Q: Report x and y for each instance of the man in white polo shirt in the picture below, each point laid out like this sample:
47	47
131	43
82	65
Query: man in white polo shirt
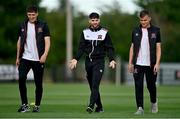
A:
144	58
32	50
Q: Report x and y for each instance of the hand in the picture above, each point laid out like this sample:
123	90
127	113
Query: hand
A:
72	64
43	59
112	64
17	62
131	68
156	68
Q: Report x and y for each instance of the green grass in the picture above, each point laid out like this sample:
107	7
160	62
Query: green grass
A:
70	101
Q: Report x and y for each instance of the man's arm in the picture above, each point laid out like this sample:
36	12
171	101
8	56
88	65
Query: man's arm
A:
81	47
130	65
46	51
158	57
110	51
80	51
18	51
109	47
158	53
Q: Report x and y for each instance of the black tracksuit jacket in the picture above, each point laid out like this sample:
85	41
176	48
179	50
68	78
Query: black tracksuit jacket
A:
95	43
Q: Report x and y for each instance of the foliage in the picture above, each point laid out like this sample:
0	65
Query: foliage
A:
57	25
164	14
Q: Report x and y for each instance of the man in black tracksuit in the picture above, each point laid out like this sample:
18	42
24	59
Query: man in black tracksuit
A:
144	58
95	42
32	50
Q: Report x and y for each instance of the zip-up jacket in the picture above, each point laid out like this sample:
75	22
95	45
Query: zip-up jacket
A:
154	37
95	43
41	30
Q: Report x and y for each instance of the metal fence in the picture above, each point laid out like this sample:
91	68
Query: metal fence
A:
169	74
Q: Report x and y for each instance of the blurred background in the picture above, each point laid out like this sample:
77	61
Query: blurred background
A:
67	19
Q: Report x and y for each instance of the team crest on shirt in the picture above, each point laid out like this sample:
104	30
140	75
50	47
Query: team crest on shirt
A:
22	30
153	35
40	30
99	37
136	34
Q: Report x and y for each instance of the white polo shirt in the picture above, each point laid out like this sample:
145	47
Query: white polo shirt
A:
143	58
30	48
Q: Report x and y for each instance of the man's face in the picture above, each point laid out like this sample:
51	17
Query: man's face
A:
32	16
94	22
145	21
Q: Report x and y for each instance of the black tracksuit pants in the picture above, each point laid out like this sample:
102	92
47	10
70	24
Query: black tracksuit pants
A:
38	69
139	72
94	69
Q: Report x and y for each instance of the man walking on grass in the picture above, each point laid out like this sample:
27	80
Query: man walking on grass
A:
144	58
95	42
32	50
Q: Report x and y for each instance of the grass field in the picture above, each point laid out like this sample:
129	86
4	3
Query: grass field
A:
70	101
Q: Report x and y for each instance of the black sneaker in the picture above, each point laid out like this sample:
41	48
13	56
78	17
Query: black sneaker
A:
99	110
24	108
36	108
89	109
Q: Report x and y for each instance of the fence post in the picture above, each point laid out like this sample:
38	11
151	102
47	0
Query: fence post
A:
118	71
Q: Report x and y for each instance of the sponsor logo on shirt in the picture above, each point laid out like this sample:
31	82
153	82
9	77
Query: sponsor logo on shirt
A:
99	37
153	35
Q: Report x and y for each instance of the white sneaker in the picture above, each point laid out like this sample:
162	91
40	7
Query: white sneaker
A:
140	111
154	107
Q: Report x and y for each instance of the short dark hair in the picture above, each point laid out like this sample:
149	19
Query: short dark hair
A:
144	13
94	15
32	8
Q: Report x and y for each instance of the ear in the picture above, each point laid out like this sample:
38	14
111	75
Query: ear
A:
149	18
